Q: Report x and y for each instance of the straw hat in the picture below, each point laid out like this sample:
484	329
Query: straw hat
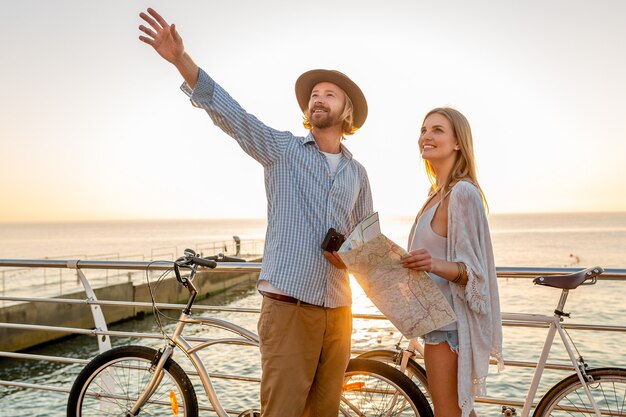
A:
308	80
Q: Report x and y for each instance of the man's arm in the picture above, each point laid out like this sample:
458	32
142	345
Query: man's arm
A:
167	42
258	140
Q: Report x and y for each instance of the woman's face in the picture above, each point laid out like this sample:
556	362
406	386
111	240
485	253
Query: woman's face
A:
437	141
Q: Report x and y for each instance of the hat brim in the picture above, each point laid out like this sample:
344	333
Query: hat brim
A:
308	80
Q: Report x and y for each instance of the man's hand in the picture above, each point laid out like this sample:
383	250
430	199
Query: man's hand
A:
167	42
162	37
334	259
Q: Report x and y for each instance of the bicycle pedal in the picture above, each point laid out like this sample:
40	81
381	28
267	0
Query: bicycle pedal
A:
250	413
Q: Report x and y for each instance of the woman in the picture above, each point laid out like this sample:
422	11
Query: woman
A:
450	240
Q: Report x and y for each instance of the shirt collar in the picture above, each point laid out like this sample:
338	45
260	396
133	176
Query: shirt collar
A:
310	139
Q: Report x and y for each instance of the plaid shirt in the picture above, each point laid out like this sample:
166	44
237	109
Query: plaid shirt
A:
303	199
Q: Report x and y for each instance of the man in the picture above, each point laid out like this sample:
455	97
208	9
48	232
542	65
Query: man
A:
312	184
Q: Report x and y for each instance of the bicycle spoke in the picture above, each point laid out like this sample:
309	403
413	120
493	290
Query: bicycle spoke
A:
375	398
114	386
568	397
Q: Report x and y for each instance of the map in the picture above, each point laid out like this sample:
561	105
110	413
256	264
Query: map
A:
408	298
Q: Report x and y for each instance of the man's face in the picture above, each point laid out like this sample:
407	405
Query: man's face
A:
326	105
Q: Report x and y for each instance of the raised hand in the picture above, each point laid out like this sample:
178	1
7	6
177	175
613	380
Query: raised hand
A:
162	37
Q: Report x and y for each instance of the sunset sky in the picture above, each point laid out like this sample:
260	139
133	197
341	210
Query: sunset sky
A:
93	125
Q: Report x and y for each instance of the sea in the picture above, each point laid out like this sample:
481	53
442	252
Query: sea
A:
553	239
573	240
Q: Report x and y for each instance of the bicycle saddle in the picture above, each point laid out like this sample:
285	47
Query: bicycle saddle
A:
570	281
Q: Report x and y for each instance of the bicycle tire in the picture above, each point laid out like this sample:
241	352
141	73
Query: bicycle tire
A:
414	370
112	381
373	388
568	398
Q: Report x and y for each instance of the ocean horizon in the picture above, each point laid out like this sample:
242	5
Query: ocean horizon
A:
519	239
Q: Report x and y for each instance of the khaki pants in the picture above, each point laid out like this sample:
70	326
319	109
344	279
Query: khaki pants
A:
304	354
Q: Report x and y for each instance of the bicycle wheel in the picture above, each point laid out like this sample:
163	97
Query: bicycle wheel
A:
414	370
372	388
111	383
568	397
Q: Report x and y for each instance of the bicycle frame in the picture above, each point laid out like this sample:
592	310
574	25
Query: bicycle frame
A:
150	368
554	323
554	326
248	338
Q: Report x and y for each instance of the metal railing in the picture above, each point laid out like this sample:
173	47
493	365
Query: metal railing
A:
59	280
103	334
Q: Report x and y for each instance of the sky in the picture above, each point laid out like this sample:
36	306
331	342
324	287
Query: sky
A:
93	125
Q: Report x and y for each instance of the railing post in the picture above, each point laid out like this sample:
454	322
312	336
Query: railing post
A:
104	341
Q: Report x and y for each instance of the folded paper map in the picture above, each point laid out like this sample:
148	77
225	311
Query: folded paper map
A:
408	298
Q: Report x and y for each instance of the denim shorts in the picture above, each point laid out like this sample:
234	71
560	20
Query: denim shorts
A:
439	336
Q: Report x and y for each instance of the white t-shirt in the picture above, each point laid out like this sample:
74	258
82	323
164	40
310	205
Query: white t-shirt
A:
333	161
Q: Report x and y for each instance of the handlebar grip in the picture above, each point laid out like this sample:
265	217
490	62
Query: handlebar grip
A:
233	259
203	262
224	258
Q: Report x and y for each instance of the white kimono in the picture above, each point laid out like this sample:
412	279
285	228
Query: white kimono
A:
476	304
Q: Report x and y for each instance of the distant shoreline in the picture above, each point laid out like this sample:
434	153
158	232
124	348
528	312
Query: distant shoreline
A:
263	219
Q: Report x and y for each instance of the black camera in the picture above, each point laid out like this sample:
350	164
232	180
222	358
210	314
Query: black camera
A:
333	240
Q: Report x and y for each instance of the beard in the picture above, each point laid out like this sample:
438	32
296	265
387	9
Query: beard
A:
323	120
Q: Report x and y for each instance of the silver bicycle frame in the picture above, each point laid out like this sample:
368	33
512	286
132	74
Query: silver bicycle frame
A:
248	338
555	325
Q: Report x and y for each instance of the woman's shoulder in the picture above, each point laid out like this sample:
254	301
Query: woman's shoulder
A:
466	192
465	186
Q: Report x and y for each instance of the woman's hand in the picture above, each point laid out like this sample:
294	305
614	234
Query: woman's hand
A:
422	260
419	260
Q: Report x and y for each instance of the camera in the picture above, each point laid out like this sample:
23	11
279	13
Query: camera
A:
333	240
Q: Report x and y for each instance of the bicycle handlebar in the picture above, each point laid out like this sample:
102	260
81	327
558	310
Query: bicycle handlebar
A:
190	260
220	257
203	262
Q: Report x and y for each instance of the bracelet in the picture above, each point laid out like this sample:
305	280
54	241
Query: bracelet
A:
462	272
458	273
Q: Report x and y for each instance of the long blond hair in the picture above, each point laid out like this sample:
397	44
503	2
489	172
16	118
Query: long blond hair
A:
464	167
347	118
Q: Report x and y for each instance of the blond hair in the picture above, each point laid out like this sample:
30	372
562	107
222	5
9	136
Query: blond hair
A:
464	167
347	118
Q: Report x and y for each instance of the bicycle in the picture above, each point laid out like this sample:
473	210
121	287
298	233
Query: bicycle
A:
600	391
138	380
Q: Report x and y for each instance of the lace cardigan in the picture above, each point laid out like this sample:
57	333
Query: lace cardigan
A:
476	304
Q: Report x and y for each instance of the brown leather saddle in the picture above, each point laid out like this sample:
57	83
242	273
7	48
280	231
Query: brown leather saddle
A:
570	281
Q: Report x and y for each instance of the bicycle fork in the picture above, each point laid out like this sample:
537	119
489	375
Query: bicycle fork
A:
157	367
405	354
157	376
